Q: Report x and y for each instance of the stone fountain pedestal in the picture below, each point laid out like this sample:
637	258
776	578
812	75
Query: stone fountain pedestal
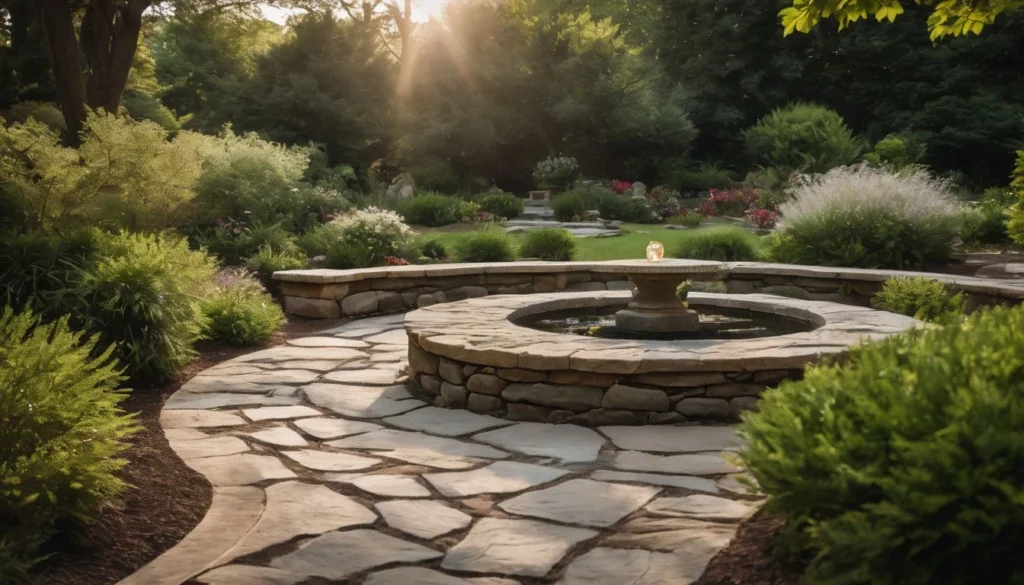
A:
656	308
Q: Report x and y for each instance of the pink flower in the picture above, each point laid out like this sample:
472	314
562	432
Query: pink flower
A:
620	187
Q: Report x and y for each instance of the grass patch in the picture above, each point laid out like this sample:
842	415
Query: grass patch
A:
632	245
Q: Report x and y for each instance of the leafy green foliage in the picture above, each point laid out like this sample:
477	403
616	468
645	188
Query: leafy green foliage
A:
436	210
142	297
903	465
802	137
589	196
61	434
240	312
434	250
269	260
144	106
124	174
984	224
724	244
489	245
232	244
921	298
893	152
38	272
548	244
1015	226
504	205
359	239
700	178
949	17
691	219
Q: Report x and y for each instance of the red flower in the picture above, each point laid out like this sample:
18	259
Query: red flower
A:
620	187
396	261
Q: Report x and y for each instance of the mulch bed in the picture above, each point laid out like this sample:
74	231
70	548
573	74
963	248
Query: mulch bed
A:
748	560
167	499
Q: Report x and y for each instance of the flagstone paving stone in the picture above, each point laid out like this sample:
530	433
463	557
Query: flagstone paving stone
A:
336	555
446	422
501	477
581	501
423	518
566	442
513	547
349	477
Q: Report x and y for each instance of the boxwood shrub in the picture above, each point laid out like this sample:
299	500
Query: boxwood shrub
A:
488	245
504	205
240	312
724	244
905	464
921	298
436	210
548	244
61	432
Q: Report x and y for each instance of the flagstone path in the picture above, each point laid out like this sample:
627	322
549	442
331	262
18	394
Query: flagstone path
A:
327	469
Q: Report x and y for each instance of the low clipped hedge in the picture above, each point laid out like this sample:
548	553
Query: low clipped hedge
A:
61	434
240	312
548	244
723	244
904	464
503	205
435	210
921	298
489	245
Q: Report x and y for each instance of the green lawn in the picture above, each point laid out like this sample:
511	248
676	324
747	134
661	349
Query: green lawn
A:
631	245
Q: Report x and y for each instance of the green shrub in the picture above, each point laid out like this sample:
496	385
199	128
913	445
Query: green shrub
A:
61	434
574	204
589	196
867	218
434	250
701	178
240	312
625	208
984	225
359	239
724	244
436	210
803	137
1015	225
904	465
556	172
894	153
268	261
45	112
144	106
142	296
691	219
38	272
503	205
548	244
488	245
921	298
232	244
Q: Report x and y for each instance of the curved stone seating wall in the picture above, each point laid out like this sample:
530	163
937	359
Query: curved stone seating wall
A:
330	294
473	355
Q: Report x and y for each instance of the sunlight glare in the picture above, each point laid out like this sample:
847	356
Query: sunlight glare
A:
424	10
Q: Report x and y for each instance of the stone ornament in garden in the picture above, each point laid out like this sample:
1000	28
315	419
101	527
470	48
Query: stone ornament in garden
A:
403	187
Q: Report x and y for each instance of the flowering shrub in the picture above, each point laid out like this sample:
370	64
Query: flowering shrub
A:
359	239
620	187
664	201
556	172
867	218
732	202
762	218
240	312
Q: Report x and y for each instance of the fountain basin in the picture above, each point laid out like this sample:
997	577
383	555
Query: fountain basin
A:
474	354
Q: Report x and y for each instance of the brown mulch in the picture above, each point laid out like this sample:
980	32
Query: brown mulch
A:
167	499
748	559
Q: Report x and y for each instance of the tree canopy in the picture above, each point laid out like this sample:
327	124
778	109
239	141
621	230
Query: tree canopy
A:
947	18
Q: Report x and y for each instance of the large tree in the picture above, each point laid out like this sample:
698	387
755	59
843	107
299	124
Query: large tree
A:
947	17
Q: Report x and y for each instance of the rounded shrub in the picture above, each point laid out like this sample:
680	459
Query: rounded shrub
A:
548	244
268	261
61	434
921	298
434	250
903	464
575	203
867	218
489	245
504	205
984	225
723	244
435	210
240	312
359	239
803	137
142	296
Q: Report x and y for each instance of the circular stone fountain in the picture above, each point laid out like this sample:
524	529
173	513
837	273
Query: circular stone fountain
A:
487	355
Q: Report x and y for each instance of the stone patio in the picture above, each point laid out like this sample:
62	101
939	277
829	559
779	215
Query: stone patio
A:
325	467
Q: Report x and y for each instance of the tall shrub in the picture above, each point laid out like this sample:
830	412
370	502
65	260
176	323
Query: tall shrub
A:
802	137
868	218
905	465
61	432
142	297
1015	226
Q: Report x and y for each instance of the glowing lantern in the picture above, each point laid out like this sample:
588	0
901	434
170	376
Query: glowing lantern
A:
655	252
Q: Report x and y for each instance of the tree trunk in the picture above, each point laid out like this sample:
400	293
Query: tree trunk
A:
109	36
59	27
